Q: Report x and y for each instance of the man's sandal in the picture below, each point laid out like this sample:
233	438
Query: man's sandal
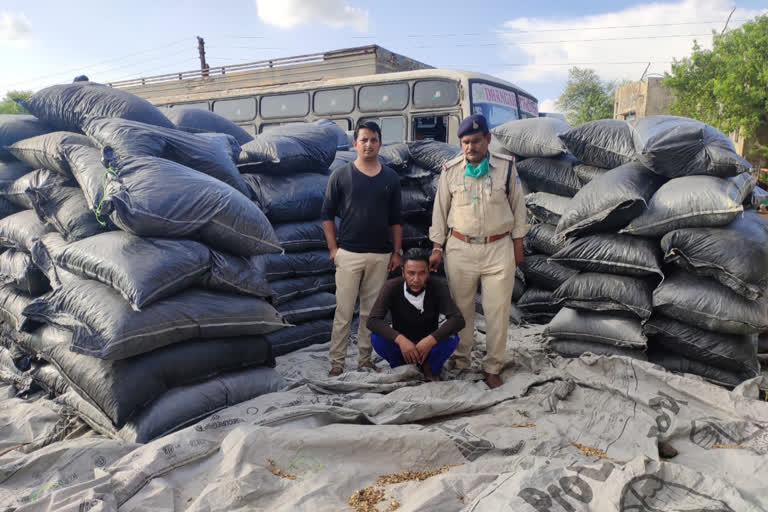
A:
336	371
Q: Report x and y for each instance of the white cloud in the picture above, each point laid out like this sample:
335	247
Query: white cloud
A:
334	13
653	44
14	28
548	105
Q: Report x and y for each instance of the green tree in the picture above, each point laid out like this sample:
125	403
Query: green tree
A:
586	97
727	86
8	104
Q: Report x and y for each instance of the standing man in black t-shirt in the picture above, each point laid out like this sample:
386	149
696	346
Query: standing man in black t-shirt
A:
366	196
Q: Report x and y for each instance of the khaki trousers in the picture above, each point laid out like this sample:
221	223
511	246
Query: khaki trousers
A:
493	265
357	274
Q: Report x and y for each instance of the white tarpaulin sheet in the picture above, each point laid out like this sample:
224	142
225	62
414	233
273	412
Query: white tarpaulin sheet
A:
560	435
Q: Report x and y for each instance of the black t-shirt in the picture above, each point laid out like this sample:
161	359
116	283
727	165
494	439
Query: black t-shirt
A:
367	206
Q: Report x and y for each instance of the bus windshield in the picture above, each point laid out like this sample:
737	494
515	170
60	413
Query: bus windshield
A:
496	104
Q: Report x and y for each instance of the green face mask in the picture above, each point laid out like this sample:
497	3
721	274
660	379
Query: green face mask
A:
476	171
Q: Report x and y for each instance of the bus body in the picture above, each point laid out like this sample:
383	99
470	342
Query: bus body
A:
418	104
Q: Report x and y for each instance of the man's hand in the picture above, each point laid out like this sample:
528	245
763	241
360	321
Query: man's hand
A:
408	349
332	254
434	260
424	346
395	262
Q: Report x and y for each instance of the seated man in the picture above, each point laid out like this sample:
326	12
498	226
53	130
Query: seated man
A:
415	303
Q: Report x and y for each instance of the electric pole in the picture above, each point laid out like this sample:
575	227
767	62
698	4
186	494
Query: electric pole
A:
201	51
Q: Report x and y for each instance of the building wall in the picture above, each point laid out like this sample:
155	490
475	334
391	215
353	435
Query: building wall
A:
641	99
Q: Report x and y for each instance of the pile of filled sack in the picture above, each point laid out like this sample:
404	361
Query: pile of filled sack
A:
644	242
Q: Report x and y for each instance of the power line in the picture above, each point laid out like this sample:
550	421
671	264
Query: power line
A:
100	63
580	29
558	41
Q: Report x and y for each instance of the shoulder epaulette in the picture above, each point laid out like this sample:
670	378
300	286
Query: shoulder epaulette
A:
453	161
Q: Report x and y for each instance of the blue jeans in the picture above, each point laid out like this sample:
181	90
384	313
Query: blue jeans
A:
436	358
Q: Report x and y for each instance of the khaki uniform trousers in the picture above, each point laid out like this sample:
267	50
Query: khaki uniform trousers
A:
493	265
357	274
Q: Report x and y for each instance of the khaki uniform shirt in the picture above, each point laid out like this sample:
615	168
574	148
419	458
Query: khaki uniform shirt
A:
478	206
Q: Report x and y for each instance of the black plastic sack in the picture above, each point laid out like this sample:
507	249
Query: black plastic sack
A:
606	292
587	173
541	240
570	348
736	255
552	175
679	146
680	364
16	191
105	326
211	154
548	208
235	274
305	309
414	202
89	172
66	210
142	270
18	270
431	154
343	142
729	352
693	202
301	236
48	151
612	254
610	202
12	305
429	185
707	304
15	127
536	302
288	198
415	235
341	159
303	335
756	198
181	407
48	378
606	143
762	344
540	273
289	149
285	290
597	327
197	120
21	230
536	137
295	264
65	107
11	171
159	198
395	156
120	389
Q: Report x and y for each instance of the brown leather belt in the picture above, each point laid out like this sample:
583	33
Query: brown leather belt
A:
478	239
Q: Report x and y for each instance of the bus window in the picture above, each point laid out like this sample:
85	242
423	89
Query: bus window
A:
334	101
285	105
242	109
344	124
201	106
496	104
430	128
383	97
392	128
435	94
248	128
528	106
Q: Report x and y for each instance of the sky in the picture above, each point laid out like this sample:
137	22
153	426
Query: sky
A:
532	44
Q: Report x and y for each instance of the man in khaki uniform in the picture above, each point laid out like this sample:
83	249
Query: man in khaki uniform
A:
478	222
